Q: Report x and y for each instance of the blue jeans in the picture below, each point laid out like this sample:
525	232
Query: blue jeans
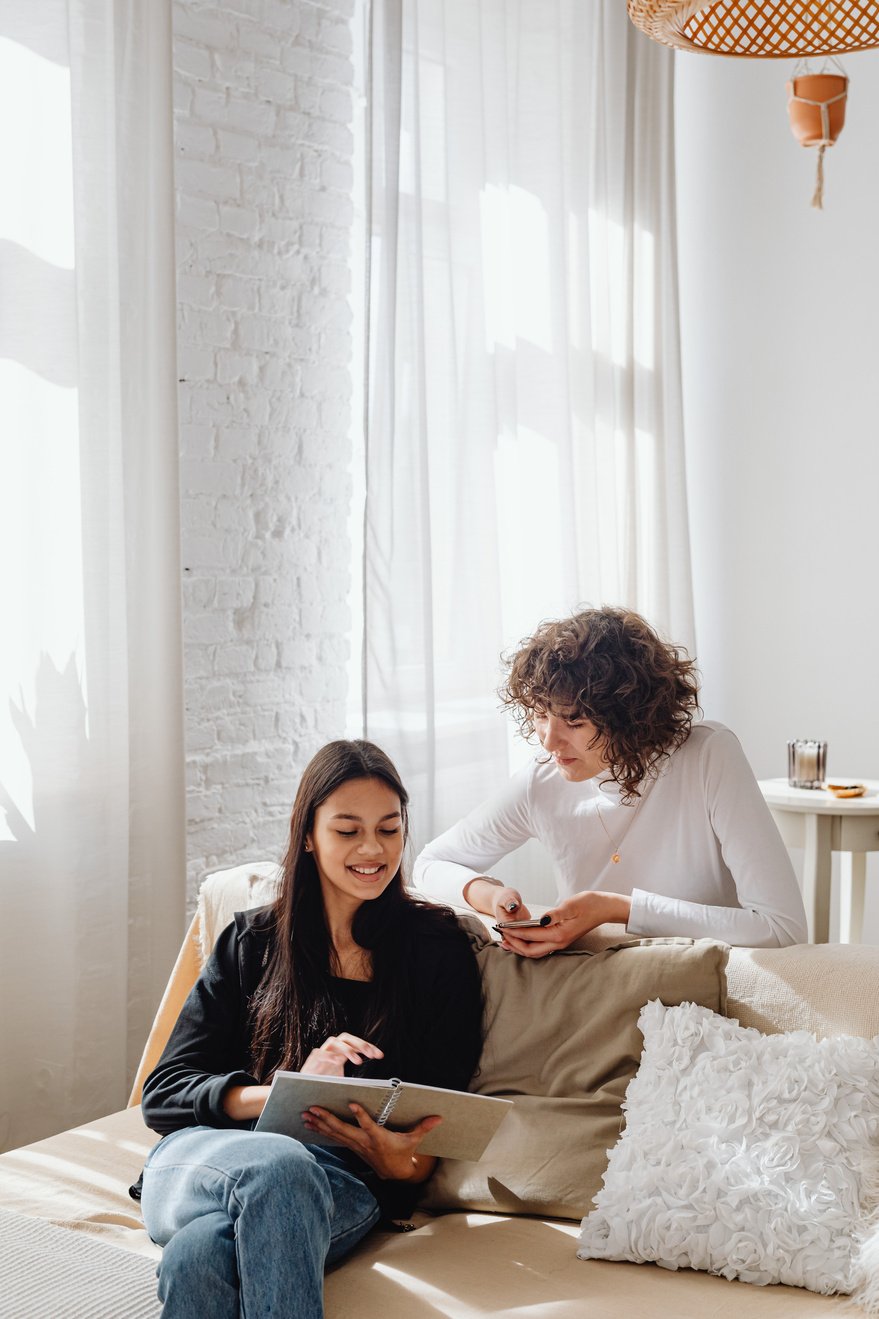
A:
248	1220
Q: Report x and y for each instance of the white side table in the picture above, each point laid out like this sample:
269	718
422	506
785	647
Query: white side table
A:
814	819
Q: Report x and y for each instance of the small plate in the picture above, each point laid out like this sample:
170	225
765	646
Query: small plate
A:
846	789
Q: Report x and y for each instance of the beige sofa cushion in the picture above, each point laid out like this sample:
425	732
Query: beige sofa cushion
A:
563	1044
826	988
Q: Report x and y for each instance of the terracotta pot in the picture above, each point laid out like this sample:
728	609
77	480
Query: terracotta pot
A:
816	106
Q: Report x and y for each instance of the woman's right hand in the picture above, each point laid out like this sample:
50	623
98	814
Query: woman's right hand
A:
244	1102
508	906
334	1053
497	900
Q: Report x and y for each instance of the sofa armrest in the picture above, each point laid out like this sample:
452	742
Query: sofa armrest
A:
183	977
221	894
826	988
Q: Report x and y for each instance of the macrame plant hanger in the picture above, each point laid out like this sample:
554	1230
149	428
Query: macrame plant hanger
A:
816	106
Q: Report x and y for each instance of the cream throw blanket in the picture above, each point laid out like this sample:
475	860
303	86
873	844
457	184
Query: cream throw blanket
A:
88	1278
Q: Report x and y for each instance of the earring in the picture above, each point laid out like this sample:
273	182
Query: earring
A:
307	847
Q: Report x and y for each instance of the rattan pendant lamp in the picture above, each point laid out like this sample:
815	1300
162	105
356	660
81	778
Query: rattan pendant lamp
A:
785	29
788	28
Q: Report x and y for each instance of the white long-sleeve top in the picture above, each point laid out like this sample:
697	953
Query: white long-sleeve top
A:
699	851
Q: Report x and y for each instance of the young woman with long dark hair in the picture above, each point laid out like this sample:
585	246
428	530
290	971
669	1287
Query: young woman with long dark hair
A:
345	973
652	819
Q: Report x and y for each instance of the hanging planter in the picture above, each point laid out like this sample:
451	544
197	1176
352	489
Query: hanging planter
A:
816	108
802	28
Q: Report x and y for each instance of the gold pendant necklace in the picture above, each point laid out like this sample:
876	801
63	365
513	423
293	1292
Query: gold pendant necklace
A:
615	854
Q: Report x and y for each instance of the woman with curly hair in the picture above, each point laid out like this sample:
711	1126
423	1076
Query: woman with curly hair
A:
652	819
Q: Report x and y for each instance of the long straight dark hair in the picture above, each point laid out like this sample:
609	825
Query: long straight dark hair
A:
294	1010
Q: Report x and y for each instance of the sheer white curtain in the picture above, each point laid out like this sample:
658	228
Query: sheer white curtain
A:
91	758
523	434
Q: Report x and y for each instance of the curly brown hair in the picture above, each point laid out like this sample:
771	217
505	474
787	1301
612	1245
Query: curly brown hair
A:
608	665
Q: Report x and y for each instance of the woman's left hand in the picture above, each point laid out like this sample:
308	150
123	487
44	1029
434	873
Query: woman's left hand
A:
570	919
392	1154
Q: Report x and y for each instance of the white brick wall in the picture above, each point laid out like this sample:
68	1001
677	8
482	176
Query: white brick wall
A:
264	177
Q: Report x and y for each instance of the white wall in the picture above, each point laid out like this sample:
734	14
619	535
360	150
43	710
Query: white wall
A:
264	178
780	309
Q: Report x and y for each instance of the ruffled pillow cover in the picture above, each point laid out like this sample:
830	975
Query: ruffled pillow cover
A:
746	1155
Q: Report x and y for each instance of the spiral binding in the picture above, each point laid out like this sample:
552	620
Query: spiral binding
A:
391	1102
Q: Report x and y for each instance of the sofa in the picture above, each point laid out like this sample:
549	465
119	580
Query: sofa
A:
73	1246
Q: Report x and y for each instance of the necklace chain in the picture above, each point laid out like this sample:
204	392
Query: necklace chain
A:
615	844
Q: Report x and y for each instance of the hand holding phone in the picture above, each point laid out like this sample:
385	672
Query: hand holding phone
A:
523	925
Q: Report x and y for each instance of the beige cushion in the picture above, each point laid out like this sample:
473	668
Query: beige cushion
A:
563	1044
829	989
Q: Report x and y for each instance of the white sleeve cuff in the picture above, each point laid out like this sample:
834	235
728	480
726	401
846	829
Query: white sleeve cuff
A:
655	916
639	915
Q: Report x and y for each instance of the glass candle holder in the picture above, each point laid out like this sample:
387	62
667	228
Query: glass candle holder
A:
806	763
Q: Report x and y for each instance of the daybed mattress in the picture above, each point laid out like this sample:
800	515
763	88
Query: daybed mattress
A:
462	1265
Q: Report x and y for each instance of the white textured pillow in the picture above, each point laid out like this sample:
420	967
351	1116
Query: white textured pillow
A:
751	1156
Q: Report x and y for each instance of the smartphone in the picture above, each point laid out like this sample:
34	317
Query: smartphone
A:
524	925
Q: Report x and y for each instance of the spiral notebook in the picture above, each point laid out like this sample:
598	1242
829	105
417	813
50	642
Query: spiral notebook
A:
469	1121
